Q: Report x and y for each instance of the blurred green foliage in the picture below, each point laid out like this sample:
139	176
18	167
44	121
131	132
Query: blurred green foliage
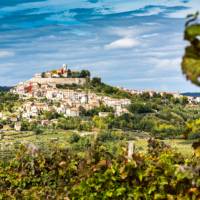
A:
191	59
63	174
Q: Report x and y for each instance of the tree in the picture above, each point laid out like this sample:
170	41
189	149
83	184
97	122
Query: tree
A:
191	59
100	123
69	73
85	74
38	130
50	115
96	81
74	138
139	107
145	95
43	75
25	125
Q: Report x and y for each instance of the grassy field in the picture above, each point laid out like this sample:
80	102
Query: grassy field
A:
182	146
12	140
61	138
29	137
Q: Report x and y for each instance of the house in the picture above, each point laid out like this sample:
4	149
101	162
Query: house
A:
30	109
61	109
13	119
1	115
55	76
103	114
38	75
197	99
120	111
54	121
191	100
26	115
83	99
71	112
17	126
48	74
45	122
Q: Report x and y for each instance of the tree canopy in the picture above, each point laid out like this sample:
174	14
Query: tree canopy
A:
191	59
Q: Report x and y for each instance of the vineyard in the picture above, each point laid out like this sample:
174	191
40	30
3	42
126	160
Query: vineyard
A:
61	173
11	141
72	165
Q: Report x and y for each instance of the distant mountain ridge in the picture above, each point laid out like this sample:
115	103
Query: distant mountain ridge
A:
5	88
191	94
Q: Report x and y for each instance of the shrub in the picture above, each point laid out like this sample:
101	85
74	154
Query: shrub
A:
140	108
75	137
38	130
109	136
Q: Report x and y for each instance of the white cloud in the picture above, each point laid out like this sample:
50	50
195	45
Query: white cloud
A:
192	7
129	31
149	35
124	43
153	11
128	36
167	64
6	54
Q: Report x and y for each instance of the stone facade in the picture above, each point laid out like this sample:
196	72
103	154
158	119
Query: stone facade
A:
69	81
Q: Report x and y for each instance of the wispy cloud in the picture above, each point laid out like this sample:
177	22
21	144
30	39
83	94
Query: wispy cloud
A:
128	37
167	64
145	37
4	54
124	43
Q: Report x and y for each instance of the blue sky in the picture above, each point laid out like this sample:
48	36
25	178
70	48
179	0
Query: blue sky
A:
135	44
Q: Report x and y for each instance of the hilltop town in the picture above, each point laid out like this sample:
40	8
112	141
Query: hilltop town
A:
60	91
68	93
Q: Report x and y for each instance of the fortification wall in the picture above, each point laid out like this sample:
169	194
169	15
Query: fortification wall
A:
69	81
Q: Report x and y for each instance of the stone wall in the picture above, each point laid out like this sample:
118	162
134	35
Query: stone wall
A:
70	81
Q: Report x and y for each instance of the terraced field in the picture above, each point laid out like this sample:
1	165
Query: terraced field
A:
10	141
182	146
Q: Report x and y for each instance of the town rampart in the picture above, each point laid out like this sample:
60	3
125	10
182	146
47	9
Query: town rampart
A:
70	81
